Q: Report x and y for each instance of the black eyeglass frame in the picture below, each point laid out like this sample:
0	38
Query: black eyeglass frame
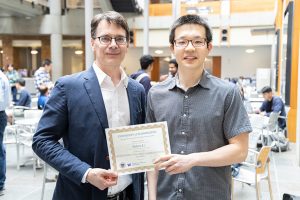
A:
192	41
112	38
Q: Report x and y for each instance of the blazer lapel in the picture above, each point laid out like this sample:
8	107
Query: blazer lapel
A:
91	85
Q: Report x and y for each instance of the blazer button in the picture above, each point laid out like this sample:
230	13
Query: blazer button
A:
106	157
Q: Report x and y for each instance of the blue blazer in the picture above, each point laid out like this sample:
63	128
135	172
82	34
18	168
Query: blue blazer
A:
76	112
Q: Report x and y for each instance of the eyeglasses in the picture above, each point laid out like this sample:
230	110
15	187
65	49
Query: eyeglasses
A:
182	43
106	40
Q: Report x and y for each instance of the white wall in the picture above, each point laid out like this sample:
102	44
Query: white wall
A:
236	62
131	62
237	37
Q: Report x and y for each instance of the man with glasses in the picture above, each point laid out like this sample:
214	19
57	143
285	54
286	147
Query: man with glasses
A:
81	107
207	122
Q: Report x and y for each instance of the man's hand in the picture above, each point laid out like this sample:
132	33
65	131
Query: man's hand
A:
174	163
102	178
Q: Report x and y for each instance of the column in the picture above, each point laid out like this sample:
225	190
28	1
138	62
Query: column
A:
7	56
83	55
46	49
88	16
298	115
56	40
146	27
176	9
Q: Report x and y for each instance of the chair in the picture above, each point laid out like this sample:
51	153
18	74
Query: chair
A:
10	137
10	134
18	112
285	130
46	179
25	134
267	126
253	173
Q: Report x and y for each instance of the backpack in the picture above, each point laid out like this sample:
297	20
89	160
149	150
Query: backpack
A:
279	142
290	197
141	76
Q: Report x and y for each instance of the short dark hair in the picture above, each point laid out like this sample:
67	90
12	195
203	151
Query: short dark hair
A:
145	61
266	89
46	62
173	61
21	82
190	19
110	17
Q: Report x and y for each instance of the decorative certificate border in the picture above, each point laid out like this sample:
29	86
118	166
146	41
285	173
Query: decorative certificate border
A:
111	147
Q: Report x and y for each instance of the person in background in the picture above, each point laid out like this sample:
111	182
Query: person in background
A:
12	76
24	96
143	75
42	75
207	122
246	103
272	104
102	97
43	98
173	67
4	103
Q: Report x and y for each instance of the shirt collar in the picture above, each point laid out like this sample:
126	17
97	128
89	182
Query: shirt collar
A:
101	76
203	82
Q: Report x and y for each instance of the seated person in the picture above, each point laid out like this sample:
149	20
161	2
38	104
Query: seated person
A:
272	104
24	96
43	97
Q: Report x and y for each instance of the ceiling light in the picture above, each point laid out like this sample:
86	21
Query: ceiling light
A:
158	51
250	50
78	52
167	59
34	52
1	51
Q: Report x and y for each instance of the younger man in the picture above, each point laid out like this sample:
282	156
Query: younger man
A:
208	124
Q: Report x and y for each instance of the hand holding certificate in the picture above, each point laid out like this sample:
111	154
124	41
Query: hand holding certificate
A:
133	149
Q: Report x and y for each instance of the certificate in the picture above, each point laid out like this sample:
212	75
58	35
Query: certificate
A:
133	149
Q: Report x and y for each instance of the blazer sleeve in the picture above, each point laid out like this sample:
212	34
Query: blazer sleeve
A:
52	127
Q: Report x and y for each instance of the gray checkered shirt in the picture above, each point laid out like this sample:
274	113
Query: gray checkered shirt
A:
200	119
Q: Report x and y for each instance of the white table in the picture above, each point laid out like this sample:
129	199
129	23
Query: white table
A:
258	121
256	102
28	122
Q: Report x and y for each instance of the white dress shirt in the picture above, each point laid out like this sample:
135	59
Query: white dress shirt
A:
4	92
118	114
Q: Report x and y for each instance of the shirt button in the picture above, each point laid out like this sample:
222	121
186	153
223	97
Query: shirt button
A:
184	115
182	152
180	190
186	96
183	133
106	157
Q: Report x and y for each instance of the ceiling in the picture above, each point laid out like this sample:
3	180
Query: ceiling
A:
17	8
31	8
